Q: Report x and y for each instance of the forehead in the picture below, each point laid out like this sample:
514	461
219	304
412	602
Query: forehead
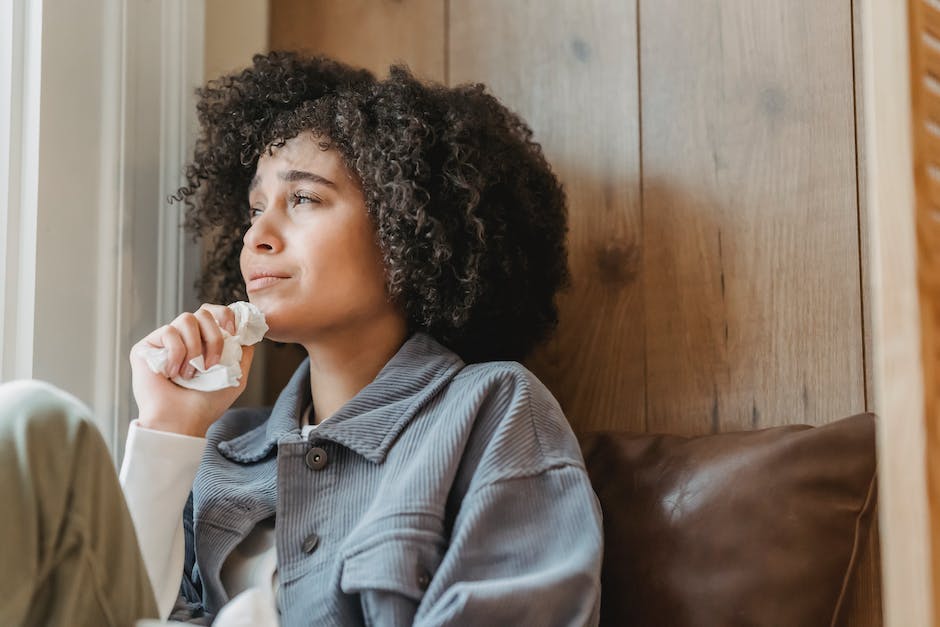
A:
301	153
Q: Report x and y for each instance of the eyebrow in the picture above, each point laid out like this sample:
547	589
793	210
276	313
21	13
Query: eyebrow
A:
292	176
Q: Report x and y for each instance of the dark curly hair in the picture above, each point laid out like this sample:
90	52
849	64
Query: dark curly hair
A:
469	217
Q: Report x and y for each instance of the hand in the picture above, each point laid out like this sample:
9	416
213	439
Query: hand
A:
167	406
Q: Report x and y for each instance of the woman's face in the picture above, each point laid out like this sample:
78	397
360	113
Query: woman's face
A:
309	227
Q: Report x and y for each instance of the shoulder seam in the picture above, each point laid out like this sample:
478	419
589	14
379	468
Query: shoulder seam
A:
535	431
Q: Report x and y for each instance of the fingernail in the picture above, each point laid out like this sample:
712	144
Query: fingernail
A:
190	371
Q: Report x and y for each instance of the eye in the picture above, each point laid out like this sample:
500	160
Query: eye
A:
299	197
251	212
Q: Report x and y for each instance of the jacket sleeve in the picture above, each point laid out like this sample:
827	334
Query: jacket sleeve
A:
523	551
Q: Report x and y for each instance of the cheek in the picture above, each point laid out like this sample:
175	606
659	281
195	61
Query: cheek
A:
363	270
241	262
370	258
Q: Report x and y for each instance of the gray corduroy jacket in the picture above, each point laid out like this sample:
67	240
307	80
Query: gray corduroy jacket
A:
441	494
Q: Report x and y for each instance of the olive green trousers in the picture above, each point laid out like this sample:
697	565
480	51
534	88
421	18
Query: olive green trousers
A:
68	550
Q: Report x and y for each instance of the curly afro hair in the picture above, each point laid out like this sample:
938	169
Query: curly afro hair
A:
469	217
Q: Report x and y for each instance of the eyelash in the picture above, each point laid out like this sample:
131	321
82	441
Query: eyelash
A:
295	197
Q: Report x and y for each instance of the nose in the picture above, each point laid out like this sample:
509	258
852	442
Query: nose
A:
263	234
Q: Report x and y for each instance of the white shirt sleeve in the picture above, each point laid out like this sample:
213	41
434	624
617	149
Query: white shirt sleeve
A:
157	475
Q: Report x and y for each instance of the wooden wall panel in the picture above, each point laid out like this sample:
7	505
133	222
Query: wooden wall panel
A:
751	260
368	33
570	70
708	149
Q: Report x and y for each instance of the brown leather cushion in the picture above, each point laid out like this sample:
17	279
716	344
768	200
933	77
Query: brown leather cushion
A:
746	528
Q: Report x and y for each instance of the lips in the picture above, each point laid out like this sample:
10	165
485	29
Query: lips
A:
260	279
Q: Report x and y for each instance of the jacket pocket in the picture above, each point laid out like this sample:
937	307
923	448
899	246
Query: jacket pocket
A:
391	572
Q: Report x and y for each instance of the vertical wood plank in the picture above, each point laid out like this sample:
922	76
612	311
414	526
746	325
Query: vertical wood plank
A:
864	606
925	101
366	33
235	31
896	342
569	69
864	237
751	264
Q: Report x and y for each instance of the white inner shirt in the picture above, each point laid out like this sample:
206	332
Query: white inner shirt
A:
254	561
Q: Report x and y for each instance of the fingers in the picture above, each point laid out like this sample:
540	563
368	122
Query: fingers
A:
188	327
212	339
169	338
194	334
224	316
182	339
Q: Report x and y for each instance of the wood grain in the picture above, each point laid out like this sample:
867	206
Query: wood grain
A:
896	343
925	101
570	70
367	33
864	235
751	258
710	152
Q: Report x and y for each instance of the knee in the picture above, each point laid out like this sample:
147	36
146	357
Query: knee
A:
40	409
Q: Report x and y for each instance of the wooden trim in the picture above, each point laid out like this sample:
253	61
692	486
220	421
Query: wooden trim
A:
162	66
925	71
895	328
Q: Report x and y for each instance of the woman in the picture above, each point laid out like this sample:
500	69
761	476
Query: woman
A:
411	237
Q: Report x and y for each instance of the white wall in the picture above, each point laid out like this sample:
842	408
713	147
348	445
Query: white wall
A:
20	57
92	255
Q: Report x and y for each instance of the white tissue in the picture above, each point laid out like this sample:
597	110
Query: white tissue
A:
250	328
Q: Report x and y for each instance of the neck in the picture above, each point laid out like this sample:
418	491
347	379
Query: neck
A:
345	362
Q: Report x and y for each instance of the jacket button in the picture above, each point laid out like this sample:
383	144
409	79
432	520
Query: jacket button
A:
311	543
423	580
316	458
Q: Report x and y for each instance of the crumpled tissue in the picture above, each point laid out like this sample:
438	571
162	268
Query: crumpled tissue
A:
250	328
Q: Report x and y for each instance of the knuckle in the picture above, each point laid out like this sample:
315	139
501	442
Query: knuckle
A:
182	318
213	311
215	342
174	352
215	316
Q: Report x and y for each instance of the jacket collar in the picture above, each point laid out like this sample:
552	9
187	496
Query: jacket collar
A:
371	420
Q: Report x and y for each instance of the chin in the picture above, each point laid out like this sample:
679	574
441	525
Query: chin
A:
277	334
